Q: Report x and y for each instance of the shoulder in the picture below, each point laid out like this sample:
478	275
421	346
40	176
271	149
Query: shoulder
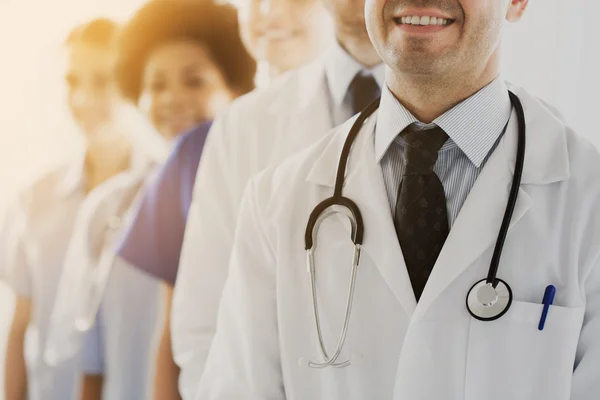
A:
45	188
296	176
33	200
54	177
187	149
582	157
584	161
192	140
113	190
281	95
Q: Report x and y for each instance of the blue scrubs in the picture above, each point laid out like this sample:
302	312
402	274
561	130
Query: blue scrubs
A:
122	344
153	242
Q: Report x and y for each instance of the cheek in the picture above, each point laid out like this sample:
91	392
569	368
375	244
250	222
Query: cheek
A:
248	38
483	26
314	20
207	103
484	13
104	103
147	105
91	106
249	24
374	18
478	7
72	102
77	99
218	102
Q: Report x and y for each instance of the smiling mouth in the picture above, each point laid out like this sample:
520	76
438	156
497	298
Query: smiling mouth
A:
417	20
277	35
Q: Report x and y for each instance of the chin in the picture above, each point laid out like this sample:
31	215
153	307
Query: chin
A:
405	65
416	57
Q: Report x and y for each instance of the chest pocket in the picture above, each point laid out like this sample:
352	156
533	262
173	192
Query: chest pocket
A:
511	359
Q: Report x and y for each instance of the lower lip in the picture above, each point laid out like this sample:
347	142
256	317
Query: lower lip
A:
422	29
278	39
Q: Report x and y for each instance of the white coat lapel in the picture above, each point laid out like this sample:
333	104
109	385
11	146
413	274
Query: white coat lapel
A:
478	224
310	116
313	117
364	185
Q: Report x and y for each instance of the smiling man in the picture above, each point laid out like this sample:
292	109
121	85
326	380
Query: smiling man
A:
434	169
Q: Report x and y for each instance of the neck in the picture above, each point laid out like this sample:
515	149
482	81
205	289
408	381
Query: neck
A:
101	165
274	71
428	97
358	45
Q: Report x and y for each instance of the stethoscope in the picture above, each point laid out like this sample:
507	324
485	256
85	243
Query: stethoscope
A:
81	314
63	344
487	300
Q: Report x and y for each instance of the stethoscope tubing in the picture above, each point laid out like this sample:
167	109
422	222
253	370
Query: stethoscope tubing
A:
325	208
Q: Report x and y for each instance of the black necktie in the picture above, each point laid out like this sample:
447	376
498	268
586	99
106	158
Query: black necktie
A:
421	218
364	90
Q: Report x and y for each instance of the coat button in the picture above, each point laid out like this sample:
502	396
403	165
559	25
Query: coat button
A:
114	222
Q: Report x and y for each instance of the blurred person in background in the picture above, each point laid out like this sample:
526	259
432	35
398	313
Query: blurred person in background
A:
281	35
40	222
180	62
259	130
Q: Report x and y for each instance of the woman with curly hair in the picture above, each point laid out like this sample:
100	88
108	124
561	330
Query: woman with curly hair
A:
281	35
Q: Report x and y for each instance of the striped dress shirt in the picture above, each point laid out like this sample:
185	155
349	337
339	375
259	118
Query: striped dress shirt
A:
474	128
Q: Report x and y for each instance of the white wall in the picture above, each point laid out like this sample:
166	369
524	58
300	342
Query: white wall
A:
34	126
555	52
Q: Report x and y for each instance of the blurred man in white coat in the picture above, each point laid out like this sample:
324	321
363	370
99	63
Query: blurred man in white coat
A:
259	130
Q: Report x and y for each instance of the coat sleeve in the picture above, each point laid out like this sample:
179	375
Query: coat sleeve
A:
92	350
14	258
586	376
244	360
204	256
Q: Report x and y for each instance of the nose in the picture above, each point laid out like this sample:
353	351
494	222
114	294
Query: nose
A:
271	8
171	98
81	98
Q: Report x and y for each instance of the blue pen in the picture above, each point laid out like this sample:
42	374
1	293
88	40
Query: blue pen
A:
547	301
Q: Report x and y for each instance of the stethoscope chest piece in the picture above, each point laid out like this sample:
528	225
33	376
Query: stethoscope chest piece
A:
486	302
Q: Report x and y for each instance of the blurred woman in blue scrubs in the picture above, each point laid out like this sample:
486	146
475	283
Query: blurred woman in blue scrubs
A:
40	223
281	35
180	63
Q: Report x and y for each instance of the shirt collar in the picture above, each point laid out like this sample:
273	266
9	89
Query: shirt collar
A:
340	70
148	149
74	177
474	125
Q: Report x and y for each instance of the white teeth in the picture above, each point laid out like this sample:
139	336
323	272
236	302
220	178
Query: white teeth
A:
424	20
